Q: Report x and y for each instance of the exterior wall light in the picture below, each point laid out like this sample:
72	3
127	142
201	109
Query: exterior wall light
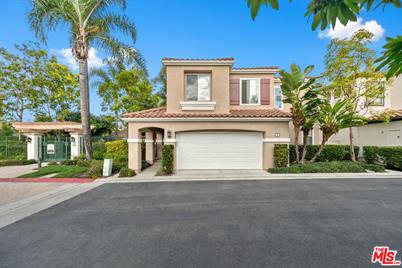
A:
29	140
169	134
277	135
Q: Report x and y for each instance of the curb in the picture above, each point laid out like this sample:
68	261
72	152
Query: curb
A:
60	180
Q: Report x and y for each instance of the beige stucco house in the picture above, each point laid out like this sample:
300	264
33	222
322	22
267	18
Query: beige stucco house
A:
217	117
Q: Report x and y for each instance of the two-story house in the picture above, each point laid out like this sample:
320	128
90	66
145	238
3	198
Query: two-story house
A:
217	117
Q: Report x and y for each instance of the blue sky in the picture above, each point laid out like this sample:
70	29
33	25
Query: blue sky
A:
211	28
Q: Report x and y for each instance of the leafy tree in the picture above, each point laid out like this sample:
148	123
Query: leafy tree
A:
298	91
110	91
160	81
329	12
137	90
351	75
90	23
333	118
102	124
18	73
57	92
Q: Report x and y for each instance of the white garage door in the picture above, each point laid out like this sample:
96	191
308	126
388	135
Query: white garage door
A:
219	150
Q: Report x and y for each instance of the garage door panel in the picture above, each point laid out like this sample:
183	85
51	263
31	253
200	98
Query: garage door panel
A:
219	150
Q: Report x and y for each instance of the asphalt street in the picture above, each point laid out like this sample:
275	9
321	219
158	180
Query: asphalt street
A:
272	223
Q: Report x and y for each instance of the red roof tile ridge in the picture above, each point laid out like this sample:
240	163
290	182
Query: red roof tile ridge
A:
198	59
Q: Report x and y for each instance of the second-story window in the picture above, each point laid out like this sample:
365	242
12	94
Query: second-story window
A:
250	91
278	97
198	87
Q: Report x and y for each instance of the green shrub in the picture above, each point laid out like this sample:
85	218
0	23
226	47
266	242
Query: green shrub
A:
69	162
390	156
370	153
329	153
16	162
116	149
145	164
52	163
118	165
99	150
95	171
80	157
126	172
83	163
167	159
281	155
328	167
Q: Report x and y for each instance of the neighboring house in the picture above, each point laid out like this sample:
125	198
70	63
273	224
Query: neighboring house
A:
217	117
376	132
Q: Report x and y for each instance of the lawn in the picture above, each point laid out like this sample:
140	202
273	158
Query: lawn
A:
59	171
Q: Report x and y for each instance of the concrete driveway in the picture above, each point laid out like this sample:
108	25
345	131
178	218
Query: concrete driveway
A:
16	171
277	223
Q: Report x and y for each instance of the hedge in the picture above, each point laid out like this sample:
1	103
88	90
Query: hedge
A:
16	162
116	149
390	156
328	154
167	159
281	155
329	167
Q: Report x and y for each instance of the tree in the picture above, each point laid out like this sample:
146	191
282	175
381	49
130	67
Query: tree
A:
333	118
160	81
351	75
57	92
90	23
110	91
297	89
18	73
137	91
102	124
330	12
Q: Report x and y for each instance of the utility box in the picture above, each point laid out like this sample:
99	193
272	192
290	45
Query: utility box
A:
107	167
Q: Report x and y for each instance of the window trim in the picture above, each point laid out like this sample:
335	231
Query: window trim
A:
241	91
197	73
275	87
312	137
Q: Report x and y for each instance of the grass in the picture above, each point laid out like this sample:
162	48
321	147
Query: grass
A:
329	167
61	172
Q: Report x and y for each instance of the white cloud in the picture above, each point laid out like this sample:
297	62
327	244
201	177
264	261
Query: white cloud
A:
347	31
65	55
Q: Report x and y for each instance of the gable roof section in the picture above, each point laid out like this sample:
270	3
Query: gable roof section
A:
160	113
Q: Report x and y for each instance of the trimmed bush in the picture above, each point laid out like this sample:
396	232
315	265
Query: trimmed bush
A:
328	167
126	172
83	163
167	159
69	162
115	149
329	153
281	155
16	162
118	164
95	171
52	163
390	156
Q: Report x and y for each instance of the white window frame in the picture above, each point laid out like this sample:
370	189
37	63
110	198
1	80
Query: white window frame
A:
197	74
275	87
312	137
259	91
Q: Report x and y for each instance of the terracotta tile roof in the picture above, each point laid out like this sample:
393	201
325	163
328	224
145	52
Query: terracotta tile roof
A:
243	113
188	59
397	114
257	68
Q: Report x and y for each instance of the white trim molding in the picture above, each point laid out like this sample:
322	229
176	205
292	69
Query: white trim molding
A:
159	141
197	105
210	119
148	140
276	140
134	140
169	141
198	62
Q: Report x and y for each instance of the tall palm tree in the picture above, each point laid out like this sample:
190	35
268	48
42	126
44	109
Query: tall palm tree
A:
90	23
333	118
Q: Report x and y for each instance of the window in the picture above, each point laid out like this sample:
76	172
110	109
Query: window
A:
310	140
379	101
278	98
198	87
250	91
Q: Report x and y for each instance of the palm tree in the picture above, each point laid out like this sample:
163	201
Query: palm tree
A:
333	118
295	85
90	23
109	90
